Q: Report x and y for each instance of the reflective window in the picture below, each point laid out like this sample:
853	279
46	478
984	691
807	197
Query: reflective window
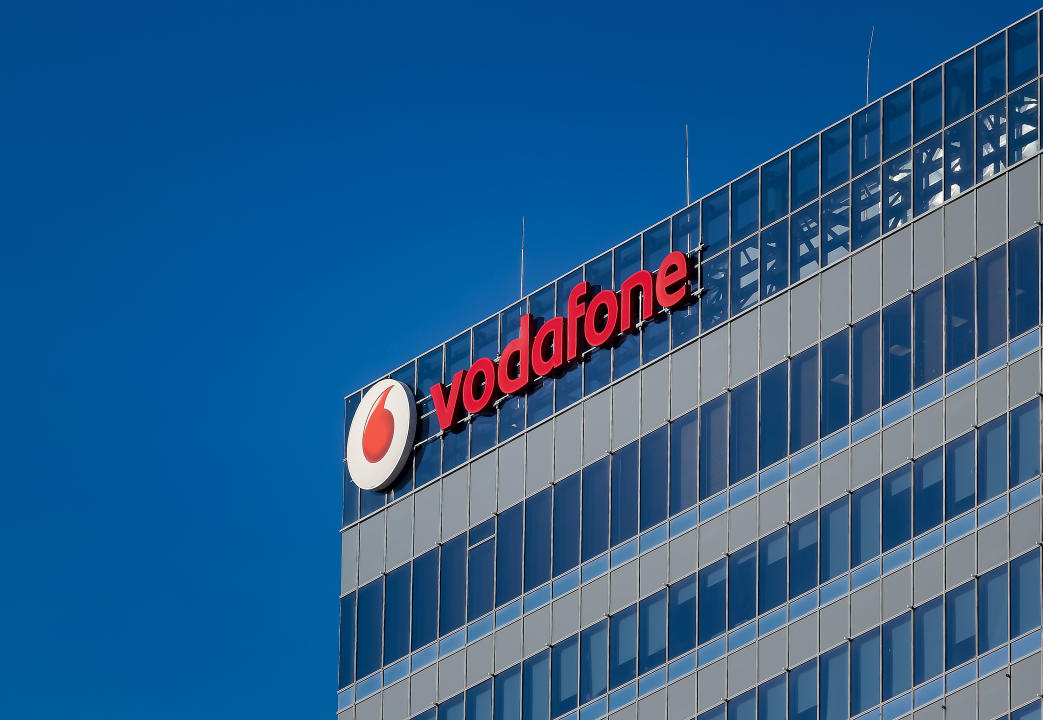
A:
865	209
509	526
682	609
595	509
684	462
992	80
992	300
566	529
742	585
425	607
396	612
714	302
370	623
928	485
774	394
536	687
992	140
744	205
652	632
686	229
865	523
537	539
898	192
959	625
992	458
451	591
452	709
865	671
959	475
771	699
992	609
865	139
743	436
898	123
927	325
804	239
653	478
1024	443
832	684
929	175
835	156
771	571
656	244
959	153
959	87
928	643
896	639
803	692
1024	282
927	105
897	329
775	190
712	600
480	701
834	539
773	259
743	707
593	667
713	447
346	669
715	222
1024	594
564	692
1023	111
803	551
745	275
835	385
1021	52
625	474
836	225
959	317
804	399
896	500
804	172
622	647
507	694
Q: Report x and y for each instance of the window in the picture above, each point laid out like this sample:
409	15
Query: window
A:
896	499
865	671
743	707
992	609
959	317
865	139
682	609
804	240
370	623
865	523
898	191
713	447
928	647
992	459
536	687
992	300
653	478
684	462
992	79
537	539
744	205
959	153
959	475
480	579
712	600
745	270
992	140
564	691
507	694
835	382
803	551
480	701
896	639
774	394
773	259
835	156
865	375
346	670
1024	283
927	105
804	173
652	632
625	475
396	613
836	225
865	209
959	625
774	190
959	87
714	302
928	484
1024	594
593	659
566	525
897	346
622	647
595	509
743	437
715	222
1024	443
452	709
771	699
804	399
1021	52
832	684
425	590
451	607
1023	111
803	692
927	323
834	536
897	122
742	585
771	571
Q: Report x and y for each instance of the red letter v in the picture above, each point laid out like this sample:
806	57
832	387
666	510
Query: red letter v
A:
448	411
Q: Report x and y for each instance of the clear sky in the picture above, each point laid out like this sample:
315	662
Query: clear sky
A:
218	219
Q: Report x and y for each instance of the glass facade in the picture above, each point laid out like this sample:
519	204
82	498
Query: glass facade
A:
814	491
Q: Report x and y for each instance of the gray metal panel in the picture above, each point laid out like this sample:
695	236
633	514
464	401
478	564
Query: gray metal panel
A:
803	493
836	297
479	660
991	219
712	684
959	413
959	231
594	601
834	624
713	539
928	244
423	689
836	476
1025	680
371	548
655	395
625	414
652	707
684	380
897	445
898	264
742	524
928	426
482	488
865	608
396	700
928	579
992	545
865	461
803	639
452	675
623	586
628	712
349	556
993	696
510	488
347	713
368	709
933	711
773	508
399	532
565	616
454	503
992	396
1025	528
804	312
771	654
681	699
742	669
654	569
896	592
743	350
774	330
597	415
507	643
959	561
1024	379
1023	202
963	704
536	632
684	555
713	367
567	451
426	517
865	282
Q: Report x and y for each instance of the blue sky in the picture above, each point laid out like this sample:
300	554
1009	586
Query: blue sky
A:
220	218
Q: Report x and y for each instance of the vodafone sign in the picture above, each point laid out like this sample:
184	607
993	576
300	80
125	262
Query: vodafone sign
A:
381	435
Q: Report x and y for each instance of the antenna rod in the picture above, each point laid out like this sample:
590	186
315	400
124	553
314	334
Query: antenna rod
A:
521	283
868	56
687	176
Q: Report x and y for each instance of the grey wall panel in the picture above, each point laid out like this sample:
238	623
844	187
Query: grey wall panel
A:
1023	200
454	503
480	660
992	396
836	475
959	231
833	623
371	548
742	524
594	601
565	616
597	415
713	539
349	556
452	675
510	485
992	545
623	586
396	700
932	711
625	411
567	450
681	699
742	670
684	555
803	493
991	218
712	684
1024	379
898	264
347	713
896	592
804	313
836	297
653	706
773	509
959	561
744	347
482	487
928	577
774	326
772	654
655	395
897	445
536	631
963	704
628	712
959	413
928	245
1025	528
426	518
865	461
399	532
713	368
654	570
865	282
928	429
684	380
1025	680
368	709
423	689
803	639
507	645
993	696
865	608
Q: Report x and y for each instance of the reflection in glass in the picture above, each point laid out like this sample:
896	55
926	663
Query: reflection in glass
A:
898	203
929	180
804	242
959	152
1023	108
992	140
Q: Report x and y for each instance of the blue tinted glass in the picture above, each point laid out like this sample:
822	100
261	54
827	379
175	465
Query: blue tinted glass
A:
598	272
743	436
595	509
655	339
743	707
928	175
774	190
745	275
511	317
346	669
480	579
803	692
682	616
536	687
804	399
804	173
959	625
744	205
1027	712
539	401
625	476
512	417
898	132
714	302
593	666
771	571
509	554
992	76
896	500
803	555
927	324
834	539
832	684
865	139
507	694
927	105
451	599
865	370
713	447
992	140
865	209
928	643
992	300
959	87
1021	54
457	355
835	156
452	709
537	539
835	385
865	671
652	632
959	158
898	192
865	523
396	613
626	356
959	475
429	371
896	639
1024	443
959	317
1023	111
454	447
804	240
836	225
897	327
774	259
350	506
684	462
992	609
653	478
712	600
483	430
622	647
568	388
928	484
480	701
372	501
717	713
715	222
992	459
487	338
655	245
686	229
774	398
742	585
566	527
771	699
1024	593
370	624
425	606
564	288
1024	282
564	686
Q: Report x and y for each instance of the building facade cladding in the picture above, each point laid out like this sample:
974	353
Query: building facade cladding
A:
822	502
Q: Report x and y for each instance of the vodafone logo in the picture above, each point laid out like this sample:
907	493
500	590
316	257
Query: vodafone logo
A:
381	435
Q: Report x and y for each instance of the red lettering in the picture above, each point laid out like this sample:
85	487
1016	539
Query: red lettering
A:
479	397
549	339
603	308
516	355
671	280
447	410
641	280
575	314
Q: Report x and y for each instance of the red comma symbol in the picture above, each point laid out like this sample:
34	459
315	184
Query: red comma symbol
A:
380	429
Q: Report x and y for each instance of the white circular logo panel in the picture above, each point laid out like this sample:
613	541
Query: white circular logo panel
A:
381	435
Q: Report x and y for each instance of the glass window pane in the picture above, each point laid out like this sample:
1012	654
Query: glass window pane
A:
370	623
928	644
713	447
773	259
865	671
396	611
835	382
593	662
992	300
507	694
1024	594
425	605
536	687
992	77
625	475
804	174
744	205
682	616
653	478
959	150
992	458
835	156
452	709
745	275
714	302
622	647
897	328
959	317
865	209
771	571
1022	55
865	523
803	551
451	590
896	641
1023	111
804	399
1024	282
992	140
566	525
834	540
652	632
509	526
686	229
865	139
712	600
865	358
656	245
927	105
743	437
927	323
775	190
836	225
715	222
898	192
1024	443
992	609
959	625
346	669
897	502
928	484
480	701
480	579
684	462
564	688
595	508
959	87
803	692
929	175
743	707
832	684
804	240
537	539
774	414
898	126
771	699
742	585
959	475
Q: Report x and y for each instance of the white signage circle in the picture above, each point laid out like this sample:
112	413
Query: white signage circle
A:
381	435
